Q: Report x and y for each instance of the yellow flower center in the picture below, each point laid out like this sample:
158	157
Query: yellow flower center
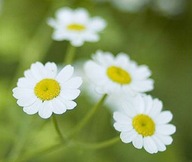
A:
144	125
76	27
118	75
47	89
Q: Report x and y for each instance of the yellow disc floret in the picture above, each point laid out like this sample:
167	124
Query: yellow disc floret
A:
47	89
76	27
144	125
118	75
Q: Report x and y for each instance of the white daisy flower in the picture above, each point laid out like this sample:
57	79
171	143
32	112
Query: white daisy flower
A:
76	26
44	91
143	123
112	74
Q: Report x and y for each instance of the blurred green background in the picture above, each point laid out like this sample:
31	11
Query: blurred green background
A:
162	43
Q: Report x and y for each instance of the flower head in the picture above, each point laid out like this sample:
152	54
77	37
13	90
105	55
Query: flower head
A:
76	26
119	73
44	91
143	123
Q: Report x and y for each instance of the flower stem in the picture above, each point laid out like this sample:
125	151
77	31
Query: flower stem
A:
99	145
84	121
55	123
70	54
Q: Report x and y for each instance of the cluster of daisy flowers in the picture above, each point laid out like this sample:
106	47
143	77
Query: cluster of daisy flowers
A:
46	90
137	116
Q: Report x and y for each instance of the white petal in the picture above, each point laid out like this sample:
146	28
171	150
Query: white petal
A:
167	140
52	22
77	42
70	104
51	69
69	94
45	111
142	85
104	58
148	103
142	72
166	129
26	83
164	117
94	71
58	106
129	109
91	37
139	104
29	75
123	127
122	59
120	117
97	24
138	141
81	15
59	35
127	137
160	145
64	15
65	74
20	93
26	101
34	108
72	83
156	109
150	145
38	70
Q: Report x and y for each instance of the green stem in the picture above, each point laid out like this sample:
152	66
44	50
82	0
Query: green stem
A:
84	121
55	123
99	145
70	54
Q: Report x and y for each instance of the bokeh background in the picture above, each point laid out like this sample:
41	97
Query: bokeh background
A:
161	40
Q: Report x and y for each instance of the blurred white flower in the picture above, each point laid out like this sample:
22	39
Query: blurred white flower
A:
143	123
45	91
130	5
76	26
111	74
113	101
165	7
169	7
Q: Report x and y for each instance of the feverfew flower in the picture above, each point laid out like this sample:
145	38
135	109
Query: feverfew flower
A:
44	91
112	74
144	124
76	26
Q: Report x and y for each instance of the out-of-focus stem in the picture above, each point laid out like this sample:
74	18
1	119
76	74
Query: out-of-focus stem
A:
70	54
